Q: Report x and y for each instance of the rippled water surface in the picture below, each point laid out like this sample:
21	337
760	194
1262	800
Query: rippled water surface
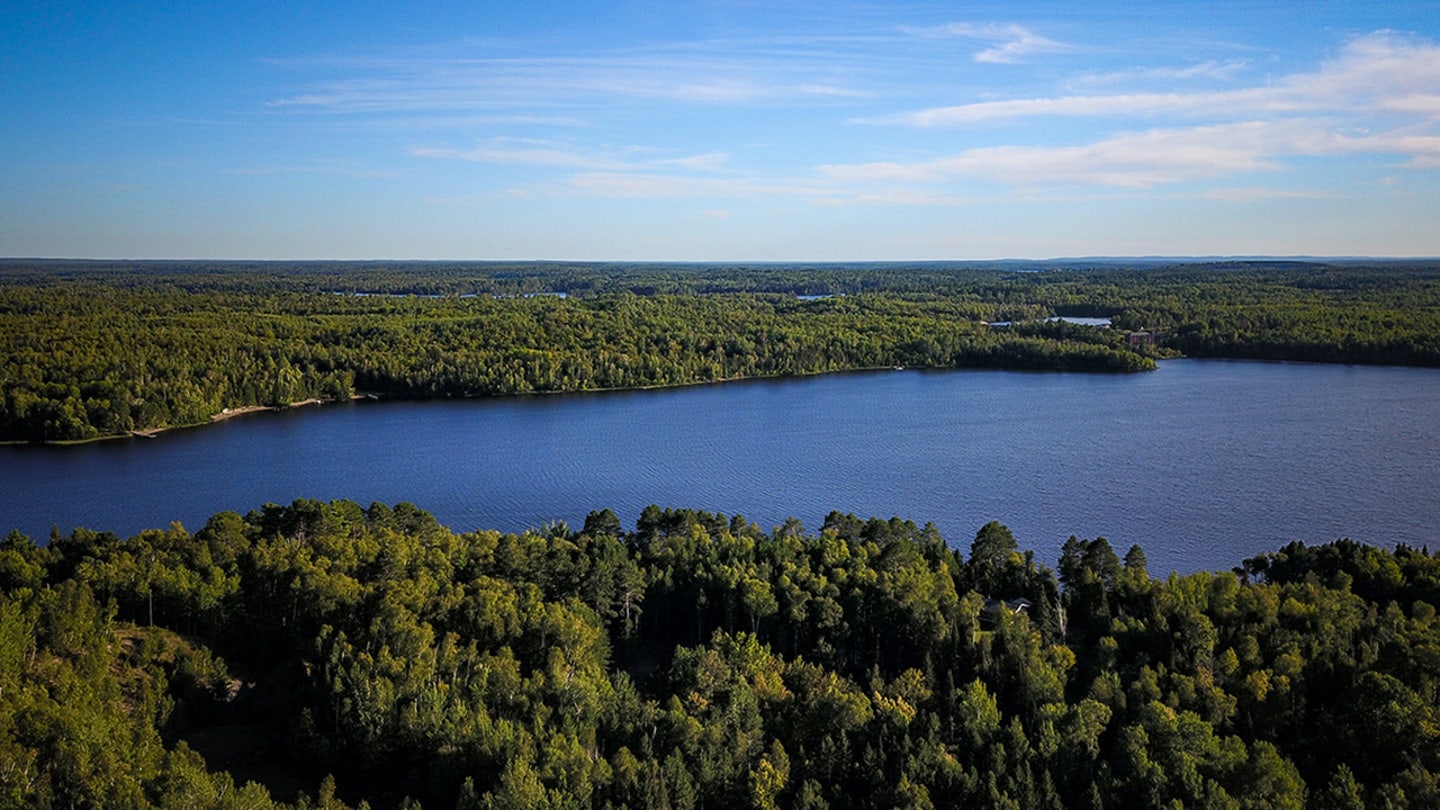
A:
1202	462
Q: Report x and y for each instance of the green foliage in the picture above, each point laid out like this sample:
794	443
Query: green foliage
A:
89	350
94	350
369	654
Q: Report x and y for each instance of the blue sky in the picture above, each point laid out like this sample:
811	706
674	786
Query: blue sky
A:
718	131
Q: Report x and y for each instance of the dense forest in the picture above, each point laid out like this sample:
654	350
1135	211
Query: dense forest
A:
95	349
329	655
326	655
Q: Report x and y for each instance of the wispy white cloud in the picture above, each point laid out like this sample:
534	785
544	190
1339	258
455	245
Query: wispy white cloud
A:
333	169
657	184
1131	160
834	92
849	198
1419	151
519	155
1212	70
1425	104
1077	106
692	73
532	152
1375	96
709	161
1382	71
1260	193
663	185
1143	160
1012	43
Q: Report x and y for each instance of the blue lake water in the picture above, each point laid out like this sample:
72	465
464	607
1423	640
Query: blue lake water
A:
1203	463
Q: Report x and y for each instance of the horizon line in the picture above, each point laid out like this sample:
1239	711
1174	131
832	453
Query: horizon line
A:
1275	257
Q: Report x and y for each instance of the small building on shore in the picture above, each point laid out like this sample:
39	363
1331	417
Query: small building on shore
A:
1144	337
1018	606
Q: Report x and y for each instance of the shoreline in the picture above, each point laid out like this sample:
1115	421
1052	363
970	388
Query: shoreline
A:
224	415
247	410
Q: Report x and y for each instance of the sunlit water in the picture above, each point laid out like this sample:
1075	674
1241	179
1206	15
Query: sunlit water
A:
1203	463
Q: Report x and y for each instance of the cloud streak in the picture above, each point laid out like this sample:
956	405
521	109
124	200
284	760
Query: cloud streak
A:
1012	43
1132	160
1375	97
688	74
1209	70
525	152
1383	71
1143	160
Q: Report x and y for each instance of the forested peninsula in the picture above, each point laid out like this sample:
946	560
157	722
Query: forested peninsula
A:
99	349
328	655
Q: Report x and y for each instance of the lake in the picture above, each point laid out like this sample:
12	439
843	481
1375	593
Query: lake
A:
1203	463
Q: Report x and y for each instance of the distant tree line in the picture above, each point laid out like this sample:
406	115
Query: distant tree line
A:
83	360
102	349
352	656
